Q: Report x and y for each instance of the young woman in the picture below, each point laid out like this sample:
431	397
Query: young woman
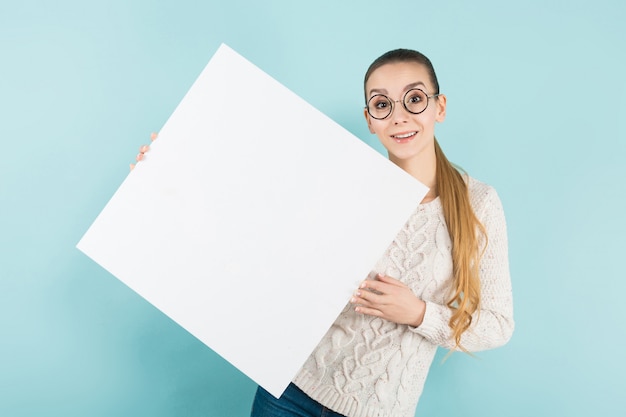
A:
444	281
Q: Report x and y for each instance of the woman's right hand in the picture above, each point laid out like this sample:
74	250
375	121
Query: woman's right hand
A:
143	149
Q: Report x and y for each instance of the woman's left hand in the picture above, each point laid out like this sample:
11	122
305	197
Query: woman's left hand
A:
389	299
142	150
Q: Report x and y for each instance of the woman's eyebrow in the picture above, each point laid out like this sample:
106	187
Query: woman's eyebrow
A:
407	87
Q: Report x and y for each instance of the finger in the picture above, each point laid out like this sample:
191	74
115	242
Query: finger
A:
366	296
376	286
369	311
358	299
142	151
367	299
389	280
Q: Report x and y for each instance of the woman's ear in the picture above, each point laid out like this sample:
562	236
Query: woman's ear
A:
441	108
369	121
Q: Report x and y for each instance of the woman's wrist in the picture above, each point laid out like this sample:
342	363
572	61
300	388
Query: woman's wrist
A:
420	315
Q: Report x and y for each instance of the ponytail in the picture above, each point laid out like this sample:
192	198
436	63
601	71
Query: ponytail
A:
464	229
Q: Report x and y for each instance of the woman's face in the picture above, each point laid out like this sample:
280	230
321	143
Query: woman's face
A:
405	135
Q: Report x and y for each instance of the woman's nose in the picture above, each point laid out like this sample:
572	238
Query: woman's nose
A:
399	113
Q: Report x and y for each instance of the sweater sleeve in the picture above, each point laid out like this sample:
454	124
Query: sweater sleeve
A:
492	324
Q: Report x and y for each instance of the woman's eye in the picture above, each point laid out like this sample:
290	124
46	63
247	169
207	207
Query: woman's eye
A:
382	104
415	99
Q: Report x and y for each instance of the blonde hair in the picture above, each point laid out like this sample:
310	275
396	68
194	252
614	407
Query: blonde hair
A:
464	227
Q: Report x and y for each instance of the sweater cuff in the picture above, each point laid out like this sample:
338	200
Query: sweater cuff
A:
432	322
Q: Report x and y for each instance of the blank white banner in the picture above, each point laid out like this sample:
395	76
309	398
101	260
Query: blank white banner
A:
252	219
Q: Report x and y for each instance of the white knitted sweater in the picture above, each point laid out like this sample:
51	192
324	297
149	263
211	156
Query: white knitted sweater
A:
369	367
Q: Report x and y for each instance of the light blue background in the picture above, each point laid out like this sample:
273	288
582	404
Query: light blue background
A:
536	94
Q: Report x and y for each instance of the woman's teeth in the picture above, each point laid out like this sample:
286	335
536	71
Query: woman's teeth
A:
406	135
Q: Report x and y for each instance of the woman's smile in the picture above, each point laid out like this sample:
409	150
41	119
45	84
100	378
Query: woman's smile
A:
404	137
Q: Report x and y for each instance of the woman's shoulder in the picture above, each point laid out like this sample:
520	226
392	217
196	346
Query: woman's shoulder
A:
482	195
476	186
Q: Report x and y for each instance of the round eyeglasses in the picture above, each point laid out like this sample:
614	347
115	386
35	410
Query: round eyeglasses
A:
415	101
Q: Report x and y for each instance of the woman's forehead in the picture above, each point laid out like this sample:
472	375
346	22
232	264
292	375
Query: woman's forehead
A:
398	76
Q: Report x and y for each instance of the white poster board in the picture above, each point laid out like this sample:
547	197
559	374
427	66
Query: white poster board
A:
252	219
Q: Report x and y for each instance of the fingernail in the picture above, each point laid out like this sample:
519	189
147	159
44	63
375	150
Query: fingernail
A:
353	300
153	136
132	166
363	285
139	157
144	149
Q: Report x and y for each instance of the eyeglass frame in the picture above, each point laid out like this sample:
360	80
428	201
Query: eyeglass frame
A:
367	107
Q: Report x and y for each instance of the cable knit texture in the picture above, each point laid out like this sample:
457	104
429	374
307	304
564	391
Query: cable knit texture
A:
369	367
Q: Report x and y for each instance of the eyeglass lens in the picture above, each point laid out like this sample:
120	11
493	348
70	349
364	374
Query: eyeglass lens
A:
380	106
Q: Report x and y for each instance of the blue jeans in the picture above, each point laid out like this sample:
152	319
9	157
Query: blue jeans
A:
293	403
